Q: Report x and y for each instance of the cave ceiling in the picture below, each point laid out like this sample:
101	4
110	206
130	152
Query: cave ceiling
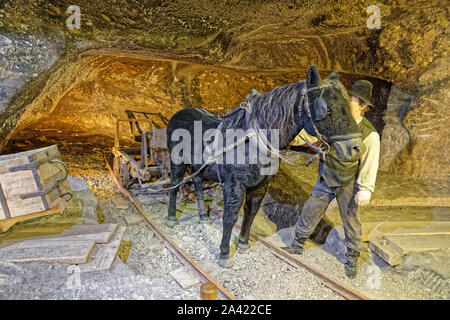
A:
168	55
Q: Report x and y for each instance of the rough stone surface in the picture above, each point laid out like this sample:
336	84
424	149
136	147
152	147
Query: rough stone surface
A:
121	203
52	281
49	250
185	277
428	123
22	58
147	272
209	54
77	184
395	137
133	220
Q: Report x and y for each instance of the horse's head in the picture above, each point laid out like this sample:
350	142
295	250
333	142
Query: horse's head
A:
326	115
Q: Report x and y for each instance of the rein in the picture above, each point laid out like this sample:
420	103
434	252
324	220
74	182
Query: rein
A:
321	152
246	106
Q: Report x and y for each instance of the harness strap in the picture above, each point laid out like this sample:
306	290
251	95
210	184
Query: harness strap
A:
247	107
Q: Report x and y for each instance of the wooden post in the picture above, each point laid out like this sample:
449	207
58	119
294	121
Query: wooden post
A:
133	124
116	135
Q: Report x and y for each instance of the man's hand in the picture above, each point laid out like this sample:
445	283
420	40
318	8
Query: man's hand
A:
362	197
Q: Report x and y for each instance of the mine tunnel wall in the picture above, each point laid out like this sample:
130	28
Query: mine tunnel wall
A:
84	115
79	110
65	85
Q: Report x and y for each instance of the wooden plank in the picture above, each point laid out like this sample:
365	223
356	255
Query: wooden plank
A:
91	228
50	172
106	254
4	210
375	230
418	243
429	228
53	197
20	158
73	251
40	154
8	223
13	160
15	184
386	252
100	233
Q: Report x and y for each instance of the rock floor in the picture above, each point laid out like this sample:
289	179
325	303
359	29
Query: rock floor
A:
255	275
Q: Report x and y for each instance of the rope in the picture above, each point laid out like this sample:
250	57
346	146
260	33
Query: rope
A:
207	163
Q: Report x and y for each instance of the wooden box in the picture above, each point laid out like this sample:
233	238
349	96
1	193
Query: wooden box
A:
32	184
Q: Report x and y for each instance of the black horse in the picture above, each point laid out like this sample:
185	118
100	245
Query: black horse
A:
322	108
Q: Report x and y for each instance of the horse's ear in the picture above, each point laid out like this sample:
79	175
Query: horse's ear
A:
312	77
334	75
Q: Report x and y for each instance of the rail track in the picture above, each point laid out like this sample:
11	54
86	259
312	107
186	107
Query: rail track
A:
223	293
177	251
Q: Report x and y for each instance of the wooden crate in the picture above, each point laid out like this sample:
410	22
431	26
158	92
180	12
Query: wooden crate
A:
32	184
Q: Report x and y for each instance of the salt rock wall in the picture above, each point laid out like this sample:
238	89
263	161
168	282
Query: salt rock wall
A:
85	99
252	42
24	57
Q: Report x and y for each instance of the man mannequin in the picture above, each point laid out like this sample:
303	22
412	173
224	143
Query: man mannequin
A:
354	192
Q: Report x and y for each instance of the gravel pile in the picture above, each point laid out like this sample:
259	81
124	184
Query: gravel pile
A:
376	279
56	281
255	275
258	274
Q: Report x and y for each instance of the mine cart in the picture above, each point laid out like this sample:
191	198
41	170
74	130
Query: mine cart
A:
142	164
32	184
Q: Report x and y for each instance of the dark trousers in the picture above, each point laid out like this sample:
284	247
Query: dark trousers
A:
316	204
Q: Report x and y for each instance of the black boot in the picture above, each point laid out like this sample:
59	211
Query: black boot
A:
296	246
350	264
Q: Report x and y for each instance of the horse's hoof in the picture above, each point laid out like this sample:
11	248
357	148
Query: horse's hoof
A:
170	222
226	263
243	248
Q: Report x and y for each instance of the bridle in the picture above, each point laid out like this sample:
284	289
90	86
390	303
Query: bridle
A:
305	105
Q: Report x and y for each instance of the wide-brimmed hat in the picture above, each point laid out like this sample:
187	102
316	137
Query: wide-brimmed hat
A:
363	90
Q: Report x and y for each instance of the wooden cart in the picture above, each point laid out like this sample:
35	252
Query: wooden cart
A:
150	160
32	184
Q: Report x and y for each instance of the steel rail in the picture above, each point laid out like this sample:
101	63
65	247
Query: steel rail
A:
334	285
177	251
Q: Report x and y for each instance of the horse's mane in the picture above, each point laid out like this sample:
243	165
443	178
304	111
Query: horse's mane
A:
274	109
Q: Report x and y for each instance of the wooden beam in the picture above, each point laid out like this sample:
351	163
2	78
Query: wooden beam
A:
405	244
8	223
106	254
48	250
375	230
386	252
